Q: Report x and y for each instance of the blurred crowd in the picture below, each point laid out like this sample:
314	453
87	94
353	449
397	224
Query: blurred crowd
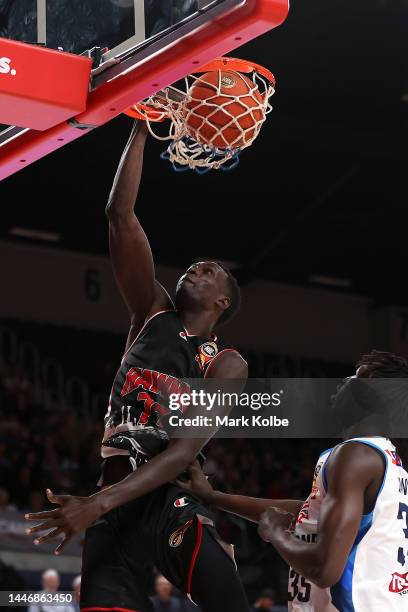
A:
48	441
42	444
164	599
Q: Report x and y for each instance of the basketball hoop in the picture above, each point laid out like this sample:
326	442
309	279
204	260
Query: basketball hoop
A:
220	113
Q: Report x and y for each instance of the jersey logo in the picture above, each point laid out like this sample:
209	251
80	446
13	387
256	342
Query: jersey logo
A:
206	352
183	335
394	457
181	502
177	536
399	583
304	513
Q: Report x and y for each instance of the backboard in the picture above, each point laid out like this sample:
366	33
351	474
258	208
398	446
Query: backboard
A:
141	46
77	25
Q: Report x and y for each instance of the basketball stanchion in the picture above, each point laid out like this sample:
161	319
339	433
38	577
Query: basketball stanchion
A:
220	113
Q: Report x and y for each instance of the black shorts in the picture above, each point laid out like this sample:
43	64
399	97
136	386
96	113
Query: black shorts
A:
170	529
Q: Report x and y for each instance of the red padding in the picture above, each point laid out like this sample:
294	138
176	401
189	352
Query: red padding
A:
218	37
39	87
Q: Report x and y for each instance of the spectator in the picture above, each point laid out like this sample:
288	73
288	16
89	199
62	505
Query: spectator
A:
50	584
163	600
4	501
50	581
76	587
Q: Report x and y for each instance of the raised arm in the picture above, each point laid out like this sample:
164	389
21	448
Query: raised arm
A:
131	255
353	469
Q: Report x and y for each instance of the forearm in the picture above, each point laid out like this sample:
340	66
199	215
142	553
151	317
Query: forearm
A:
127	179
307	559
251	508
160	470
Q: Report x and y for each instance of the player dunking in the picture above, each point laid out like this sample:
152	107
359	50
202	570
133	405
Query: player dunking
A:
127	534
348	550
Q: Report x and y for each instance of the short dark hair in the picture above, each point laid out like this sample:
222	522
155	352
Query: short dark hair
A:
234	294
382	364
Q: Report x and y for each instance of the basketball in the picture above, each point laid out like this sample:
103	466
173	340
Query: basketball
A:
224	109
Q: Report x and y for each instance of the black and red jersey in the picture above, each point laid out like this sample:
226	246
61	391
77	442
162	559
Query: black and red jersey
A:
156	364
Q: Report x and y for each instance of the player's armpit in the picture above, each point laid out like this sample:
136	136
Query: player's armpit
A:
161	302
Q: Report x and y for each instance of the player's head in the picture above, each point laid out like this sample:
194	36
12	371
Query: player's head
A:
379	388
381	364
50	580
376	364
209	286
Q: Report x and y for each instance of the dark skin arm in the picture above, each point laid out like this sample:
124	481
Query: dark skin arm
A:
77	513
354	474
250	508
131	255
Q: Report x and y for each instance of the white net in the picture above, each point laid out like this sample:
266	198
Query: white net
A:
210	132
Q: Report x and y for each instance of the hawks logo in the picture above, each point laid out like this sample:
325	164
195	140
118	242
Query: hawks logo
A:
399	583
181	502
177	536
206	352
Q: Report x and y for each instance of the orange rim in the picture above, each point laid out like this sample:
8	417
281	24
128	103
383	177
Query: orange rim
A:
239	65
145	112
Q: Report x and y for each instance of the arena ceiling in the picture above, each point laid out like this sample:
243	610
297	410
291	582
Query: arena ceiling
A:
323	192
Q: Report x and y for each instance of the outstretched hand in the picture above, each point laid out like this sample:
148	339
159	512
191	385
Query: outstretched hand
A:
73	515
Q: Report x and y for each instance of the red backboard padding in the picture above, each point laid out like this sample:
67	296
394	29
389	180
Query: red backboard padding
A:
217	37
40	87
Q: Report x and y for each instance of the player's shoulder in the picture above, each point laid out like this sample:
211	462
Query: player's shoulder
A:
227	363
356	449
355	459
353	447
